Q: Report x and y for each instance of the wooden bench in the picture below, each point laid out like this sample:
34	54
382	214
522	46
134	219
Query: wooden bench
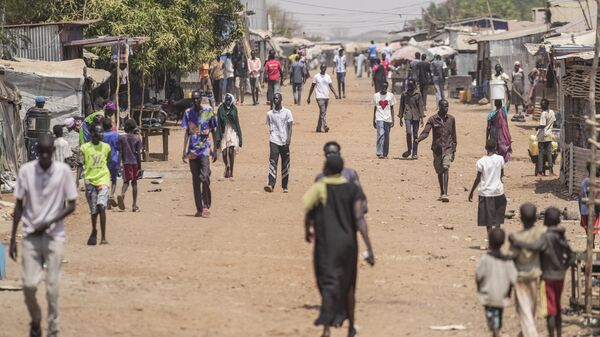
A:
149	132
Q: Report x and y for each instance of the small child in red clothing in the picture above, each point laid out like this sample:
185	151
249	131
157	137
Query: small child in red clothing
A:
130	147
556	257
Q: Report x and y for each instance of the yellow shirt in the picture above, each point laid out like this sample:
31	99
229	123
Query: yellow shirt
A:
95	159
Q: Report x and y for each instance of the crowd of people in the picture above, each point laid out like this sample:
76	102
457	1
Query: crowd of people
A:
335	205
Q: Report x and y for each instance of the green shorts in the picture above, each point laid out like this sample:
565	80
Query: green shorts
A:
442	162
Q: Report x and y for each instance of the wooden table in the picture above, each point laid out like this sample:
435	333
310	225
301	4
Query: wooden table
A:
149	132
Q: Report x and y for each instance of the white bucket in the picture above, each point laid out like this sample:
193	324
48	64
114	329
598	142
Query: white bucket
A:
497	89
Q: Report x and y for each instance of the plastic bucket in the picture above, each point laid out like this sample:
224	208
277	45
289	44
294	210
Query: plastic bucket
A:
497	89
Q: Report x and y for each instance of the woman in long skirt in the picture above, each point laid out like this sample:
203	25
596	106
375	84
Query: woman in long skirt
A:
333	209
229	133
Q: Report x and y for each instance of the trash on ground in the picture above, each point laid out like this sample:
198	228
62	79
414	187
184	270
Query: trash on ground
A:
447	327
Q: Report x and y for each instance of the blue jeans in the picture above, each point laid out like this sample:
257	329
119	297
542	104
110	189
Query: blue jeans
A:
439	91
412	134
383	137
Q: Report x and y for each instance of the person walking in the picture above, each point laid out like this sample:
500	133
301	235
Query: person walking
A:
423	76
387	51
96	155
372	51
439	78
112	138
495	276
411	111
360	64
544	138
334	214
274	72
497	130
45	194
492	201
204	72
200	123
254	67
443	145
321	85
229	133
413	71
62	150
279	121
130	147
379	76
383	119
217	76
340	71
556	257
297	79
228	75
527	263
518	92
241	74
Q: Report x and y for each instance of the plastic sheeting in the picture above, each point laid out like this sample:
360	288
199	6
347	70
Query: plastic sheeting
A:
12	144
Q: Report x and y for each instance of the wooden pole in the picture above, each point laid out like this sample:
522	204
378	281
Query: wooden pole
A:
118	113
129	86
592	194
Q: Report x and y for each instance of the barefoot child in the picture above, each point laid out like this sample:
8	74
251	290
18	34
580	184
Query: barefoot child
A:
495	276
130	146
96	155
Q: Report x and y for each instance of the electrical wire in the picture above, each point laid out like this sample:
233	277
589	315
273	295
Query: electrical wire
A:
341	9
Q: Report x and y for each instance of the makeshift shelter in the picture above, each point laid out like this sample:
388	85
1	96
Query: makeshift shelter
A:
12	143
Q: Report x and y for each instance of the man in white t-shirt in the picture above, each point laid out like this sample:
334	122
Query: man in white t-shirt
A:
279	121
340	70
492	202
383	119
321	85
544	138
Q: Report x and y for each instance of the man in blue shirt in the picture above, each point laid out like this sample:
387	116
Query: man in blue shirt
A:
111	138
372	51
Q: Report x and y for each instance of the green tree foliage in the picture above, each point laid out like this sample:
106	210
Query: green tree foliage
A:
182	33
461	9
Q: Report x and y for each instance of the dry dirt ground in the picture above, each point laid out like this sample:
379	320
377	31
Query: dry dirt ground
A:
246	271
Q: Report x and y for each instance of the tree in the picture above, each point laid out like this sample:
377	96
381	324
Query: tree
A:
284	23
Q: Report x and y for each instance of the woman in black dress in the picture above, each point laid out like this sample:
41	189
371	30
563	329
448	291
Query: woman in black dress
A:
335	205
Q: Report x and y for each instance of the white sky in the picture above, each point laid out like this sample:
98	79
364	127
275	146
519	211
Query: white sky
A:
357	16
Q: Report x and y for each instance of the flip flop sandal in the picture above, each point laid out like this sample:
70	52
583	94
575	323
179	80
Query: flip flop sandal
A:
135	209
92	240
121	202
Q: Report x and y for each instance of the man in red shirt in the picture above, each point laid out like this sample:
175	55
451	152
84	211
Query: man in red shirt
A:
274	72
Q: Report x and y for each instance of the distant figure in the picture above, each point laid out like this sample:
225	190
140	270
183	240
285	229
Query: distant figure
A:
334	214
412	113
544	138
321	85
297	79
439	78
279	122
130	147
254	67
372	51
274	72
62	149
205	83
378	76
112	138
340	71
497	129
217	76
228	134
518	92
423	77
387	51
413	72
451	63
495	276
360	64
499	74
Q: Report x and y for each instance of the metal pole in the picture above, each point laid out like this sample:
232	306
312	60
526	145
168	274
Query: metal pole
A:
592	194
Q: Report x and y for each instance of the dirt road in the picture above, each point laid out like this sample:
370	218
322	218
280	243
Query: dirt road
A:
247	271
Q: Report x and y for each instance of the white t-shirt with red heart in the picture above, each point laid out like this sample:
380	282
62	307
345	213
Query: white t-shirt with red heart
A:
384	104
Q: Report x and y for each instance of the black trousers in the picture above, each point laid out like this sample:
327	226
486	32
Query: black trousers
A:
254	89
544	154
217	90
200	168
277	151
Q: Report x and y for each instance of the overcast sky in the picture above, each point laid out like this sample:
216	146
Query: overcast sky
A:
357	16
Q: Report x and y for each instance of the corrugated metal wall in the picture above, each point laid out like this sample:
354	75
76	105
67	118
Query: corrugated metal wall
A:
44	42
260	19
466	63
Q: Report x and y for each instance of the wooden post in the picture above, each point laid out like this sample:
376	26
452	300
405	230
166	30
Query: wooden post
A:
129	86
592	194
117	114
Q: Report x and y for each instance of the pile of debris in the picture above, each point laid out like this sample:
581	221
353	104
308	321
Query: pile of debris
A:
6	210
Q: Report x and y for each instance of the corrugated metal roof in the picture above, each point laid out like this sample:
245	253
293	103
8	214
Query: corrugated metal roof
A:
534	29
44	42
587	55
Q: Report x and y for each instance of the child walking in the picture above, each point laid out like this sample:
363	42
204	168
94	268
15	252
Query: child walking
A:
96	155
130	147
383	119
229	133
492	202
62	149
556	256
111	137
495	276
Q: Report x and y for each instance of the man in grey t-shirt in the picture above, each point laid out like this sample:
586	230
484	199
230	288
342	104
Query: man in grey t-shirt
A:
439	78
297	79
279	121
45	194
